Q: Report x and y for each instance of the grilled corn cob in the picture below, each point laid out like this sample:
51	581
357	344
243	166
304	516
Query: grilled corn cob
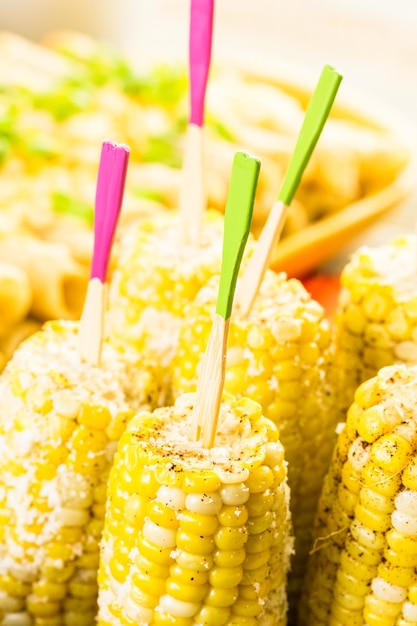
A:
155	276
363	567
60	419
278	355
377	314
195	535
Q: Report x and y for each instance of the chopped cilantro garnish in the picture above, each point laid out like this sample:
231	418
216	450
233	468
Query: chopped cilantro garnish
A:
68	205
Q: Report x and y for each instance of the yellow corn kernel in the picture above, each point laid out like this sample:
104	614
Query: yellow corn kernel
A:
412	593
153	552
362	554
375	501
194	543
150	567
372	424
374	520
260	479
145	583
83	588
194	562
162	515
259	543
50	590
40	608
391	453
87	440
376	307
89	560
353	584
186	593
225	577
215	616
233	515
188	577
409	475
80	619
400	558
204	482
96	417
197	524
229	538
55	620
398	576
359	570
14	587
143	598
380	481
117	425
378	606
240	620
162	618
222	596
260	503
401	543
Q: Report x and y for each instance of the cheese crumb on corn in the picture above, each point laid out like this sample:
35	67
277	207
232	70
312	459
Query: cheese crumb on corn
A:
377	313
194	535
60	419
363	567
155	275
278	356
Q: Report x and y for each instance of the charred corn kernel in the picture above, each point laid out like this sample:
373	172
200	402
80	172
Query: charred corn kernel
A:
155	276
54	411
374	576
384	327
280	356
187	557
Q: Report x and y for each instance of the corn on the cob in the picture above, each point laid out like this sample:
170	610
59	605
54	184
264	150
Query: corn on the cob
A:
60	419
195	535
377	314
155	276
363	567
278	355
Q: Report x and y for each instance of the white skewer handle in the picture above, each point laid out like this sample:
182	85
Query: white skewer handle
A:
91	329
249	284
210	384
192	202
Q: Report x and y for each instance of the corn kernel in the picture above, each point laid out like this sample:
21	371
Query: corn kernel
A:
162	515
186	593
195	523
398	576
215	616
204	482
153	552
146	583
193	543
260	503
188	577
50	590
225	577
391	452
40	608
222	596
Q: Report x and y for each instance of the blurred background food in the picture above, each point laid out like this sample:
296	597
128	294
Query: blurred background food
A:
58	101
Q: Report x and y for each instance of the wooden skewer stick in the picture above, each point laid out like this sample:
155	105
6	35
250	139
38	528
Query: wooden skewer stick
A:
237	222
109	195
314	120
192	202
